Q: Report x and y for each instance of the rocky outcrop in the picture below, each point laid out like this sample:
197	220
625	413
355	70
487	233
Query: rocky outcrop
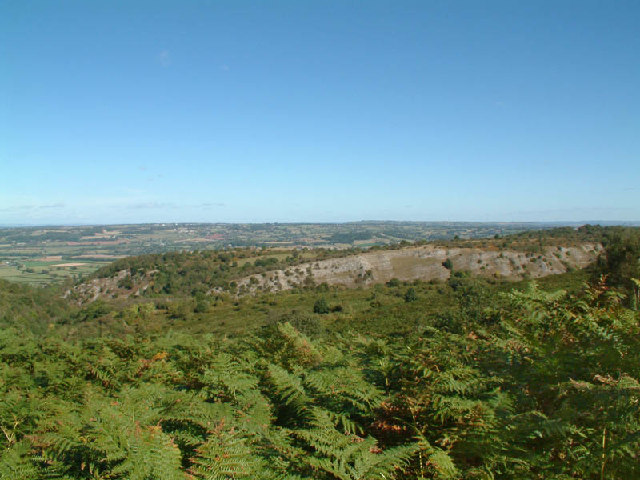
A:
424	263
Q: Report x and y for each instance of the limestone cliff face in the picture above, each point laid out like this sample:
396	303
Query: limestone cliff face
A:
379	266
424	263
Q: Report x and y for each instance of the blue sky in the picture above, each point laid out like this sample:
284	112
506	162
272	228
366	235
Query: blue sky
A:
333	110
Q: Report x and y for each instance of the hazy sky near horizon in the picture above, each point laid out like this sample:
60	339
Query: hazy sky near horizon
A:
334	110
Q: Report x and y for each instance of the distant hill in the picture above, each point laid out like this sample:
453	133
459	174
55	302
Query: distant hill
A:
530	254
55	254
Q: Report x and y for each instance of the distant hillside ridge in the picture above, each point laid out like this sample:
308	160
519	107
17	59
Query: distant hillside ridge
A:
424	263
216	273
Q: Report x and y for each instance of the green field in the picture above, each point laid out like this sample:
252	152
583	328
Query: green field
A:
43	273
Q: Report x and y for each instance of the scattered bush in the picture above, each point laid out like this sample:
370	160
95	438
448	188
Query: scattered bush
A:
321	306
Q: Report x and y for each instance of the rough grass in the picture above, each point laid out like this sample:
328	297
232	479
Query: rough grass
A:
405	266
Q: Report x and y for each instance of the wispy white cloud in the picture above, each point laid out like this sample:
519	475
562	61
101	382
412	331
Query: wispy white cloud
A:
22	208
151	205
53	205
164	57
151	178
570	214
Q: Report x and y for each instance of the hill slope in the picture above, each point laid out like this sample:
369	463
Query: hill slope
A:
424	263
214	273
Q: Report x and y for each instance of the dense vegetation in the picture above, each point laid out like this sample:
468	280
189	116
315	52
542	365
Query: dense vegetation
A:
468	379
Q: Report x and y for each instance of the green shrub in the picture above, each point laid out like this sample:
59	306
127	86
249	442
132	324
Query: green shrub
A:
321	306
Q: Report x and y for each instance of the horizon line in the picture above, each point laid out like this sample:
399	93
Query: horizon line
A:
503	222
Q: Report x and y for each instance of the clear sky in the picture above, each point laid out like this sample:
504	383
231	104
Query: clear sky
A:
332	110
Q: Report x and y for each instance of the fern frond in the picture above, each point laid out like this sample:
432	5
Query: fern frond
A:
226	455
